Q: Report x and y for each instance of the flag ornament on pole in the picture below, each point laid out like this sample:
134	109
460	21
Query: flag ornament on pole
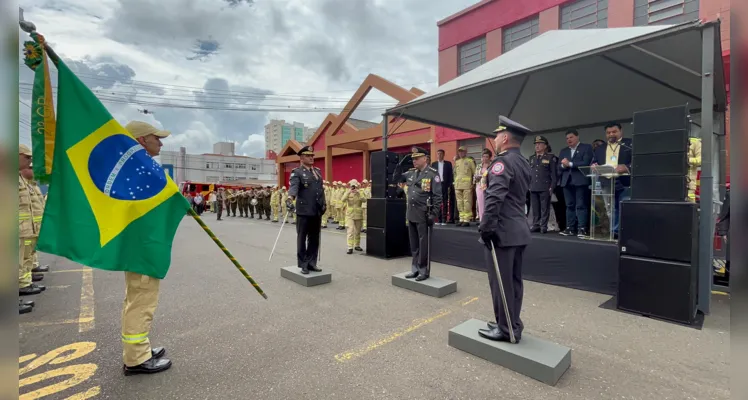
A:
43	124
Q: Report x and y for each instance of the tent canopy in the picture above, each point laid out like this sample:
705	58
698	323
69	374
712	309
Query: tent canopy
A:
575	79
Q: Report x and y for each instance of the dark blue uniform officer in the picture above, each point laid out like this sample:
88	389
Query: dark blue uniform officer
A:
504	226
308	191
543	164
424	199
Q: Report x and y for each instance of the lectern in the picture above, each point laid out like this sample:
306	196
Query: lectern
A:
603	202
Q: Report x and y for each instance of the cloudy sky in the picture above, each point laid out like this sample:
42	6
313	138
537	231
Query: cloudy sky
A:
215	70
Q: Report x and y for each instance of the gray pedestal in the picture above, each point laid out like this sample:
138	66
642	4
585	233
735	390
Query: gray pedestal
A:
436	287
311	279
537	358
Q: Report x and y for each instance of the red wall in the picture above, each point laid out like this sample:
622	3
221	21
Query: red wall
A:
289	167
447	135
347	167
494	15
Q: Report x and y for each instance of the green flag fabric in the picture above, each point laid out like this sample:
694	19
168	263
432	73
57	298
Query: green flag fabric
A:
110	205
42	108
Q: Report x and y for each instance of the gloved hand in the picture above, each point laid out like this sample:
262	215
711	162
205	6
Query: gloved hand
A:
431	218
489	237
289	205
324	209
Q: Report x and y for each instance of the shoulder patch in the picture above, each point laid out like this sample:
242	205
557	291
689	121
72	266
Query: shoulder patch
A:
437	179
498	168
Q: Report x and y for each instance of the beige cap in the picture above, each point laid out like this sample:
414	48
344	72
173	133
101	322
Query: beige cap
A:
23	149
353	182
140	129
365	181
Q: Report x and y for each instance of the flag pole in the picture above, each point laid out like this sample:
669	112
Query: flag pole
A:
29	27
225	251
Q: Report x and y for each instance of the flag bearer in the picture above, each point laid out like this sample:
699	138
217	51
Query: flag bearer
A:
141	291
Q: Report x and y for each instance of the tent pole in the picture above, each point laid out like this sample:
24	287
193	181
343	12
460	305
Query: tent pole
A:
384	132
706	217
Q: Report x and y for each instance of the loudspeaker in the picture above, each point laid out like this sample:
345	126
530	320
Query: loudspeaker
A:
657	288
662	119
667	231
659	188
675	141
660	164
384	173
386	232
384	212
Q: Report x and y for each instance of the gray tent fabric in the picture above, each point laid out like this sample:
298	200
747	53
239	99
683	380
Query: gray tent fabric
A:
575	78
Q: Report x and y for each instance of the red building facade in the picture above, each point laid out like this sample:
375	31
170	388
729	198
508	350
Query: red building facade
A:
489	28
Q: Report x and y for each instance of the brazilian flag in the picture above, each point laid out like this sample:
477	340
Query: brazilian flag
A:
110	205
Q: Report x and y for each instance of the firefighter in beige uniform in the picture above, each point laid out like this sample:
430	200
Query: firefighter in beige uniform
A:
337	194
694	163
29	221
283	198
353	199
463	171
141	291
275	203
326	215
366	190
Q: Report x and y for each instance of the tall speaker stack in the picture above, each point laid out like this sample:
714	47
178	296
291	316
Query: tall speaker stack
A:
386	232
657	271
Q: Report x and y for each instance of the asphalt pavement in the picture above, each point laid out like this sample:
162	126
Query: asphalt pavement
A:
358	337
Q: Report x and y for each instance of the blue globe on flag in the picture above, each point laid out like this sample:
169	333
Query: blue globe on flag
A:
120	167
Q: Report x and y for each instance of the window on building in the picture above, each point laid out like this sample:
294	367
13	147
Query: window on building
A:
241	166
659	12
228	165
520	33
253	168
472	55
583	14
212	179
474	147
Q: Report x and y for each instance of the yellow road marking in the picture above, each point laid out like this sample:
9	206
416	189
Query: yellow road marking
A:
68	270
349	355
62	322
25	358
76	375
86	318
720	293
94	391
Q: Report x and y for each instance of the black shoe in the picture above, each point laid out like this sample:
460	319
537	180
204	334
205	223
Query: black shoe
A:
324	227
152	366
340	228
535	229
495	334
29	290
421	277
158	352
38	286
29	303
569	232
350	251
41	268
492	325
37	277
543	230
22	309
411	275
583	233
314	268
358	248
305	271
363	230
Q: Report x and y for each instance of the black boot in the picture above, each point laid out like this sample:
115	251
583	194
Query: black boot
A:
37	277
411	275
41	268
358	248
421	277
350	251
314	268
29	290
23	309
152	366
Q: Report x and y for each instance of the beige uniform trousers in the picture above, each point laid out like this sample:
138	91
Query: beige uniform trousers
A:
341	216
325	215
353	232
26	248
141	299
464	204
274	210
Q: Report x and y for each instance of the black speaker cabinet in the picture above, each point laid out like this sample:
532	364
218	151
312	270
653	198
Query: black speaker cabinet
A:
387	243
383	213
659	188
661	164
666	231
657	288
662	119
675	141
385	173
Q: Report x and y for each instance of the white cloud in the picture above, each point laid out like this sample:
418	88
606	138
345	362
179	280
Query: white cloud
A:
320	50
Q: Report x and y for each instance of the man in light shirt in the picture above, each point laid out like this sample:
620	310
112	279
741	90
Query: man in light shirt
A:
617	153
444	168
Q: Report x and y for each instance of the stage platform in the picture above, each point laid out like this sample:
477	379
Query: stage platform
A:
550	258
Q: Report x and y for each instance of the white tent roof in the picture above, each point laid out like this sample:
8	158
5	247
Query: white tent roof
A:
575	78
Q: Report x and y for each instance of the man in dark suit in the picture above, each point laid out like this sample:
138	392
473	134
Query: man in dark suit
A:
617	153
575	183
444	168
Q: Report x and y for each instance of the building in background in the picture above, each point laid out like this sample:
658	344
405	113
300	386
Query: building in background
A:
221	166
279	132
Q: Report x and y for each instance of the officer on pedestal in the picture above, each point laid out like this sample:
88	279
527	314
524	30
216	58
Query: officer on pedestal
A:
504	227
308	193
424	198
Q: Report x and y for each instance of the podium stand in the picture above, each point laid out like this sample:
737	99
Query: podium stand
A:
603	202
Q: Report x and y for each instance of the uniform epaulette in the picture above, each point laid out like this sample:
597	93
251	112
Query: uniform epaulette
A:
432	169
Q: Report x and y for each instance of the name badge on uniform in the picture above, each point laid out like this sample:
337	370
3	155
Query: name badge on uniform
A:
546	161
426	184
613	158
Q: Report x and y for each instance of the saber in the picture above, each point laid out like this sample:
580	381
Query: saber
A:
279	234
226	252
503	296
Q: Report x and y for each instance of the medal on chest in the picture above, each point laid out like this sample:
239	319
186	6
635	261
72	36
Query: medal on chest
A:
426	184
